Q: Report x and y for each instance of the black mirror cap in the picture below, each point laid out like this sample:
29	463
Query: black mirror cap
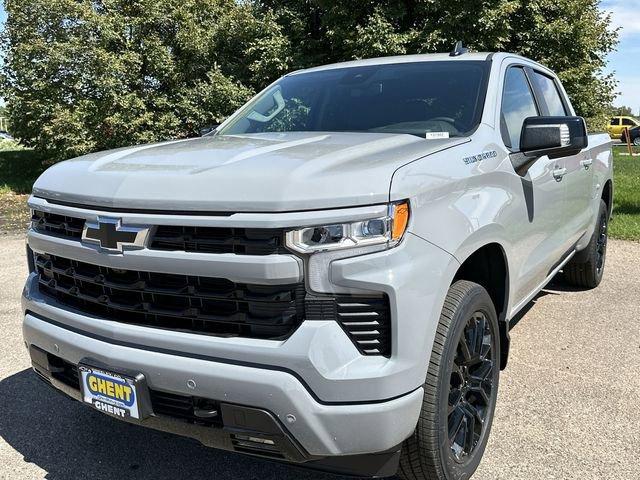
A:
553	136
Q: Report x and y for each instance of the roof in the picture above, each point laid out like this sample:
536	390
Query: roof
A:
425	57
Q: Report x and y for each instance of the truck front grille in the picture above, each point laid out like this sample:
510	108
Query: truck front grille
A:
241	241
57	225
185	408
177	302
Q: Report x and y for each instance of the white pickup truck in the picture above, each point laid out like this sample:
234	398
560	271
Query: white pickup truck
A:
327	278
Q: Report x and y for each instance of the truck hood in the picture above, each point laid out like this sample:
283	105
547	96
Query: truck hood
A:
246	173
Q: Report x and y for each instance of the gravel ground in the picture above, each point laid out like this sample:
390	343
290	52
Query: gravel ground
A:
14	213
567	407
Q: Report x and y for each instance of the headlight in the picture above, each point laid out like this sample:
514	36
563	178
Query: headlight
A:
389	229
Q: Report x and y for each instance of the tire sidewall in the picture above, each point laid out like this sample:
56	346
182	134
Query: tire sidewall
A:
477	300
598	275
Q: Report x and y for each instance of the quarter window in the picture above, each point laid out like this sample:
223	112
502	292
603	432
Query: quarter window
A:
518	103
550	93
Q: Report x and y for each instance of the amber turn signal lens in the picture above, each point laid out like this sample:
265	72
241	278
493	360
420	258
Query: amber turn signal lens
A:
400	220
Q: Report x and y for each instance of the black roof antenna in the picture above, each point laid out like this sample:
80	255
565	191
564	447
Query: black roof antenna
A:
458	49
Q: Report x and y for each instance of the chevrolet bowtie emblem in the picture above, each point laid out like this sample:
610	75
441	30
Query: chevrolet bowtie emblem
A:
110	234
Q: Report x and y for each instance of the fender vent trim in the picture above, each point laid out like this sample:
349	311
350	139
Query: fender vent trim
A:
366	320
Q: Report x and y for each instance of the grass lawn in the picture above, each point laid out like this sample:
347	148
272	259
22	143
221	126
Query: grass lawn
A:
20	167
626	196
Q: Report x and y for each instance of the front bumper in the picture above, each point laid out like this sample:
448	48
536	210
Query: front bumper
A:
309	431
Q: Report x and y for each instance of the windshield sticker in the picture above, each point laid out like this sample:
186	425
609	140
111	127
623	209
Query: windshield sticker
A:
436	135
479	157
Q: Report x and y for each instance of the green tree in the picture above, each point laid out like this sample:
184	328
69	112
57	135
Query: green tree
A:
622	111
84	75
572	37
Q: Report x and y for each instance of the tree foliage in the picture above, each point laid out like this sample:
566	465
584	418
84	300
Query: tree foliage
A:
622	111
84	75
572	37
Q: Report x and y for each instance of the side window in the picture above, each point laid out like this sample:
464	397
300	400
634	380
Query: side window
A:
550	93
627	122
517	104
614	122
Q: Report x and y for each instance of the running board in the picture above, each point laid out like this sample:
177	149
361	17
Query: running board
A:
537	290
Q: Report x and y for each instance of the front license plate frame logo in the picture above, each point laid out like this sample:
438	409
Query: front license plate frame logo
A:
110	392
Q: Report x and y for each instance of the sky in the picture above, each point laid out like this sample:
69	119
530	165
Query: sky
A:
625	62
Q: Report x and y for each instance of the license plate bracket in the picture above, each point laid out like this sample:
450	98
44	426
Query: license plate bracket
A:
117	392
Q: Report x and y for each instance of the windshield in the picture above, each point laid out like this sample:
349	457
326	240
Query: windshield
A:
415	98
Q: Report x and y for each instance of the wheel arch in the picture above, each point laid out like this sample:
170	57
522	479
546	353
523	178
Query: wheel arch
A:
488	266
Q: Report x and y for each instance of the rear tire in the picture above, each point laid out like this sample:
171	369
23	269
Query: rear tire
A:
586	269
460	390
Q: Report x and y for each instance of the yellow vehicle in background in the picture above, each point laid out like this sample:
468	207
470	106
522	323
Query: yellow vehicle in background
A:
618	124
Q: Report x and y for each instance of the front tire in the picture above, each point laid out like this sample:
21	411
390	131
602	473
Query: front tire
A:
460	390
636	141
586	269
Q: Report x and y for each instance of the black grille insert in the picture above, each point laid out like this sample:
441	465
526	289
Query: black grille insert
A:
241	241
366	320
177	302
59	225
64	372
256	445
191	409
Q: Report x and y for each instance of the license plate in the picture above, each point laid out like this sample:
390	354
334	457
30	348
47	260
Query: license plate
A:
110	392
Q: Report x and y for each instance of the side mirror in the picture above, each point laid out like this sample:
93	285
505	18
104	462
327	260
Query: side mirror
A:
208	129
553	136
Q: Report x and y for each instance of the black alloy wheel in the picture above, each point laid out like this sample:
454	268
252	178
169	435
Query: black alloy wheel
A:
460	390
601	242
470	387
586	268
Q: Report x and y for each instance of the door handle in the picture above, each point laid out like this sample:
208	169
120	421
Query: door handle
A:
586	163
558	173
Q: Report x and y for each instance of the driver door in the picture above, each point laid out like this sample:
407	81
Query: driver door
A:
539	235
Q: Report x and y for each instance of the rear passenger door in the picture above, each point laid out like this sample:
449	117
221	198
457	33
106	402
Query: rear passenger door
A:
539	236
578	179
